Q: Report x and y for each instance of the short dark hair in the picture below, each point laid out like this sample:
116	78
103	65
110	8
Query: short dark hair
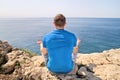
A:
59	20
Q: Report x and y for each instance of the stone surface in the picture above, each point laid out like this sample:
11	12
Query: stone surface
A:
4	46
19	65
108	71
3	57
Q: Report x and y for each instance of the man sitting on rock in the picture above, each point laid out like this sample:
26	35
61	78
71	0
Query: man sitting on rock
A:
60	48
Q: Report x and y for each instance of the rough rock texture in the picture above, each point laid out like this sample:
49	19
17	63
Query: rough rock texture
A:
4	49
106	65
16	64
4	46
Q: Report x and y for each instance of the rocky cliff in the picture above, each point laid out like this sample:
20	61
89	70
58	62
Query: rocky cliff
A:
16	64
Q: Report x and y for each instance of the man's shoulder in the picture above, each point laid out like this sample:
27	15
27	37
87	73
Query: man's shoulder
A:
70	33
48	35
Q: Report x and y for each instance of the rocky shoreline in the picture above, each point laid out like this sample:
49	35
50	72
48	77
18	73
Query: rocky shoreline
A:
16	64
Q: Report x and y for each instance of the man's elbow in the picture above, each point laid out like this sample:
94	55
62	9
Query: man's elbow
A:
75	50
44	51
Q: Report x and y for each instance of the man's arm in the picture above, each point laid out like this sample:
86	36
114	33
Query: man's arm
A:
43	50
75	49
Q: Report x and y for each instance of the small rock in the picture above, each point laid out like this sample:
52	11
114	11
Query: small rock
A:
82	71
15	49
0	42
90	67
69	78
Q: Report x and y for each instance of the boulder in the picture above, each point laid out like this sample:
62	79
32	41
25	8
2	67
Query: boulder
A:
3	58
9	67
5	46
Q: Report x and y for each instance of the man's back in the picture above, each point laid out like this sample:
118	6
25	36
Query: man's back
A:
59	45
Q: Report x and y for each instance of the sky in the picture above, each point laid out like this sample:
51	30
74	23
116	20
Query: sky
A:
49	8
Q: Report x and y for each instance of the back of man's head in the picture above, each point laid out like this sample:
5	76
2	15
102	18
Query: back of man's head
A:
59	20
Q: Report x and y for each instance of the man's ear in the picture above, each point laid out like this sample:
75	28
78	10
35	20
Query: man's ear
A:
65	24
54	25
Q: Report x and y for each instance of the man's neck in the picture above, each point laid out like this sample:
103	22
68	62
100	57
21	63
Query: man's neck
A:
59	27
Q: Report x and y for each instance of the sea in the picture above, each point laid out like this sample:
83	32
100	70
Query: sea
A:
96	34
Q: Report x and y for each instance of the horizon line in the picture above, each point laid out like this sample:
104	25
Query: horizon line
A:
51	17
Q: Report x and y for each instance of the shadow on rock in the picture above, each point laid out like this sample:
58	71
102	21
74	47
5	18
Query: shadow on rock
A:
86	72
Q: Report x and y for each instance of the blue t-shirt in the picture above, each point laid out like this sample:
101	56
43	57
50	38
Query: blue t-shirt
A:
59	44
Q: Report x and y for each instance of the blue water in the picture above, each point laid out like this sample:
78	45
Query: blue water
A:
96	34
